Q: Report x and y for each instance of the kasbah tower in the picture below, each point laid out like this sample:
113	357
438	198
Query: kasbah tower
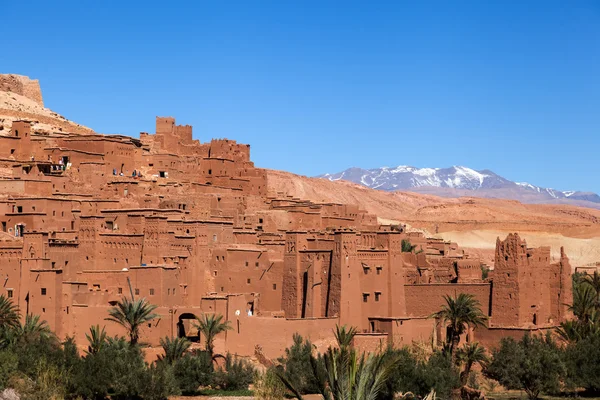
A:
88	218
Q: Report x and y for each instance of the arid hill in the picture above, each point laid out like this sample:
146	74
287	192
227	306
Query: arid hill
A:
21	99
473	222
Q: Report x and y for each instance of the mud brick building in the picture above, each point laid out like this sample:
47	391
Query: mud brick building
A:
88	218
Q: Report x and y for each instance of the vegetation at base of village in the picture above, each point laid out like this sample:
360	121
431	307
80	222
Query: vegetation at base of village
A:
36	365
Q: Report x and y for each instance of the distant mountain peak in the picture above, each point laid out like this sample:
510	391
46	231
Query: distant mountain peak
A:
453	181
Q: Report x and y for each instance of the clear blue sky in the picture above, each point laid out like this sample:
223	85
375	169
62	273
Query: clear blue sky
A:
320	86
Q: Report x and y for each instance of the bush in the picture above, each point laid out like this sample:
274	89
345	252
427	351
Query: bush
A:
440	375
406	375
407	246
297	368
268	386
583	362
237	374
9	363
117	369
192	371
533	364
158	382
419	377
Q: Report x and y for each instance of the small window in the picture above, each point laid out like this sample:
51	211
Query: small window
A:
379	268
215	273
365	297
222	289
12	151
256	264
377	296
19	209
150	325
274	286
9	293
214	238
169	291
137	291
43	291
120	290
151	292
173	291
53	265
248	280
246	263
210	171
260	220
162	174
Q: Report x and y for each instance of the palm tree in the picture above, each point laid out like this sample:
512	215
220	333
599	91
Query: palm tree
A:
594	282
96	339
470	354
34	329
344	375
9	313
210	325
131	315
344	336
584	303
460	313
174	349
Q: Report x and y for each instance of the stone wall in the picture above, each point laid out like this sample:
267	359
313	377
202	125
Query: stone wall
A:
22	85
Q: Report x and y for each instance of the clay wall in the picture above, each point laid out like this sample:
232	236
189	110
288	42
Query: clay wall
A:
370	342
251	331
425	299
11	253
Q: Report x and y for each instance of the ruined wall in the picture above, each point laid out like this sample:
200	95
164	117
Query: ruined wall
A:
22	85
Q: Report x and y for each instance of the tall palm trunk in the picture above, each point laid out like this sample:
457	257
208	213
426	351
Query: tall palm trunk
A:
454	341
464	376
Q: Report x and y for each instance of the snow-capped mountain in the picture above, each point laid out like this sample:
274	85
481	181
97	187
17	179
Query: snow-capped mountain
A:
455	181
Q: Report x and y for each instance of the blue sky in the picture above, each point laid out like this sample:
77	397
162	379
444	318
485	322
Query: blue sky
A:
320	86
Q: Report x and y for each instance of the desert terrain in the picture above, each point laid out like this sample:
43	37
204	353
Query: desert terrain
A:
474	223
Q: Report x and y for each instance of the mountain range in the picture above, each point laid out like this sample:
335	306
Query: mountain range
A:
458	181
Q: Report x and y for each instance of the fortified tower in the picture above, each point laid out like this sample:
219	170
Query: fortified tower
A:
527	290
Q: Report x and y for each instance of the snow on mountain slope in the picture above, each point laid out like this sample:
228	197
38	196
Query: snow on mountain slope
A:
456	179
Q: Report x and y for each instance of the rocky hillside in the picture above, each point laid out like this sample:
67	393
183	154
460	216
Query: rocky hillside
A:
21	98
460	181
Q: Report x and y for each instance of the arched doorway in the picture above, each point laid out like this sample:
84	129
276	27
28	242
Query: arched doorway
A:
186	327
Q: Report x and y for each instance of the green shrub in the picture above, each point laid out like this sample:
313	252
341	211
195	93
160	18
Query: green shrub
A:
440	375
419	377
9	364
192	371
583	363
534	364
158	382
268	386
116	369
407	246
237	374
297	368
